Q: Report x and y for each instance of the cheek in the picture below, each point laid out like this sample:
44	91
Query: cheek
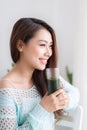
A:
35	52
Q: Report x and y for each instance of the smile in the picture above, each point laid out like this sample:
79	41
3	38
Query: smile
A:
43	61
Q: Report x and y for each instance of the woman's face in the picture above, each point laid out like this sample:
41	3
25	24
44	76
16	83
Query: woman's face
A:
38	50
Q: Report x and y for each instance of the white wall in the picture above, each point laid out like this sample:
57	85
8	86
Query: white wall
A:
80	57
58	13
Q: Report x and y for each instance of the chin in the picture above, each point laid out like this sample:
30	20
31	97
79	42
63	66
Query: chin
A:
41	68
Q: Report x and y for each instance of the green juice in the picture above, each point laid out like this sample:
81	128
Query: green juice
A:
53	85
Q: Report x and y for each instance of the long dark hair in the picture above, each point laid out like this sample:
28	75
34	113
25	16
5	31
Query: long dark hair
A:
25	29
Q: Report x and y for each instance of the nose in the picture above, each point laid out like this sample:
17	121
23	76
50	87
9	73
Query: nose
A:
48	52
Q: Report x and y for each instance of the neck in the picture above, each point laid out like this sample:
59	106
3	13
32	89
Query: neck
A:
22	73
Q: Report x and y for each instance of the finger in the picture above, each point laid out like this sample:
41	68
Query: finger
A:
61	107
58	92
63	103
63	97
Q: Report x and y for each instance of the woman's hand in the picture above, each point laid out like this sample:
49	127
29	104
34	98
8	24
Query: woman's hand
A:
55	101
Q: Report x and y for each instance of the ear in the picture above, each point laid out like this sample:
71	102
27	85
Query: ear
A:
20	45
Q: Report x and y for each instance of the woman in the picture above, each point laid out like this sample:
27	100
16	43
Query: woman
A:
24	101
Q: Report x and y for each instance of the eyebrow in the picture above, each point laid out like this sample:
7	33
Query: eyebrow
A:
45	41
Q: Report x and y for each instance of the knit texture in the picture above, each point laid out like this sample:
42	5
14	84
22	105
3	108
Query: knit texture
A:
20	109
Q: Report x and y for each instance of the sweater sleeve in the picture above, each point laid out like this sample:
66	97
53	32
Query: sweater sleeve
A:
73	93
37	119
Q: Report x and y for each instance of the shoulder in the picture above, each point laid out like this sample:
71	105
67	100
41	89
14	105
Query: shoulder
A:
4	83
6	90
6	94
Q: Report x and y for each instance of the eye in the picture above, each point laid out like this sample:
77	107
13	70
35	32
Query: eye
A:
42	45
51	46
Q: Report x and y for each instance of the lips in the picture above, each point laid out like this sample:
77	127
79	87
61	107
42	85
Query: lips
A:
43	61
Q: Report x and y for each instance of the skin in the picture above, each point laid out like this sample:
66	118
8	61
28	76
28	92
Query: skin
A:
33	56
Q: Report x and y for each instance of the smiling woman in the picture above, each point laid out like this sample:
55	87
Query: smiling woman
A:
37	50
24	99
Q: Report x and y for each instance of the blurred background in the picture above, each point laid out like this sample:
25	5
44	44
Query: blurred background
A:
69	20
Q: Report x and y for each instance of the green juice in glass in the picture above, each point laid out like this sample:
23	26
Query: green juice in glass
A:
53	85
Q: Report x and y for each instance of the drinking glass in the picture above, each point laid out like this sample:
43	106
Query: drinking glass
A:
52	75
